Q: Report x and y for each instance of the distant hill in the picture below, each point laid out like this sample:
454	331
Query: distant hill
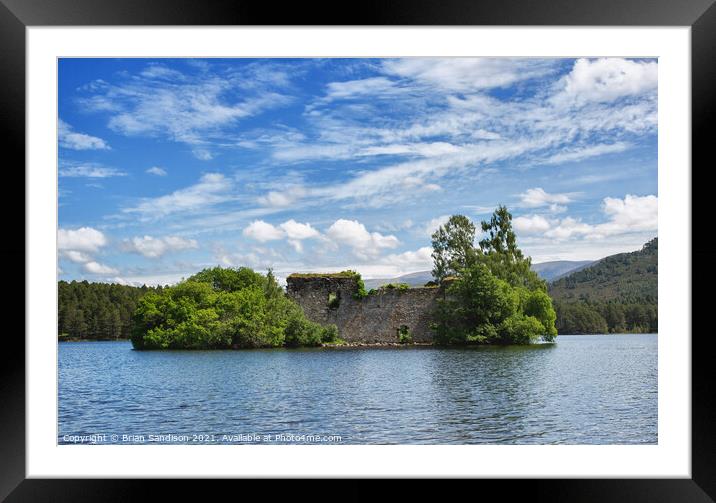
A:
616	294
626	278
547	270
412	279
552	271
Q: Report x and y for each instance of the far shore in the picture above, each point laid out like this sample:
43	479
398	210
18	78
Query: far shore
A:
357	344
76	339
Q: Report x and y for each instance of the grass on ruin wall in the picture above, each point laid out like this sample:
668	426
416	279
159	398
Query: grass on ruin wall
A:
342	274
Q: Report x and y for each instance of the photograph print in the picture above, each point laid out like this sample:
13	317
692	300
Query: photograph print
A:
343	251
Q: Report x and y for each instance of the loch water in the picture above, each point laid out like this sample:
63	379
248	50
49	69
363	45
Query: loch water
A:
587	389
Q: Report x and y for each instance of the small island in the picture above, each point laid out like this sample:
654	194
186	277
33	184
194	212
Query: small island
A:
484	294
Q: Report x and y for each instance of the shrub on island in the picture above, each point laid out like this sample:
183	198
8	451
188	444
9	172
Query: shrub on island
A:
221	308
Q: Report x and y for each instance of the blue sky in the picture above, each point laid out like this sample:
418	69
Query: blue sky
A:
168	166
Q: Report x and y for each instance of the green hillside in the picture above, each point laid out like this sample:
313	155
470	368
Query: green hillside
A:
617	294
626	278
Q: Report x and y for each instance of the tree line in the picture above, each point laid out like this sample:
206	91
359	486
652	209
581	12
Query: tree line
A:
98	311
583	317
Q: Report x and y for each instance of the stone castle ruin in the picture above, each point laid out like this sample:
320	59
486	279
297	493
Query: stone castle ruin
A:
377	318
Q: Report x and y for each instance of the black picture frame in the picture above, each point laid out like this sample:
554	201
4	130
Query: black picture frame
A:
700	15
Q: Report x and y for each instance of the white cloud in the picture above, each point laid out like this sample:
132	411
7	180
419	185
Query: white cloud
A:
569	227
435	223
202	154
72	169
578	154
464	133
159	71
122	281
193	109
483	134
535	224
293	231
78	245
75	256
156	170
607	79
313	151
257	257
392	265
629	215
463	74
152	247
97	268
453	131
380	186
84	239
536	197
411	261
419	149
354	234
360	88
633	214
296	230
283	198
274	198
154	279
389	226
262	231
211	189
70	139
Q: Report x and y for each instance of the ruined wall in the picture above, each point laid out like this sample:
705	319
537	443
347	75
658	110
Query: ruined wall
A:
376	318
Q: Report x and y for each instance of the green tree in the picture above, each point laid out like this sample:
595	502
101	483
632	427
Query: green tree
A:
474	305
538	304
96	310
222	308
453	247
579	318
496	297
501	254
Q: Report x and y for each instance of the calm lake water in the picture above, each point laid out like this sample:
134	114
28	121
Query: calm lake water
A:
593	389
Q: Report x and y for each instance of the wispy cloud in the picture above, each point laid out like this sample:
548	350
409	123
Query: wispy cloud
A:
461	128
156	170
70	139
181	107
573	155
76	169
212	188
468	74
329	164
